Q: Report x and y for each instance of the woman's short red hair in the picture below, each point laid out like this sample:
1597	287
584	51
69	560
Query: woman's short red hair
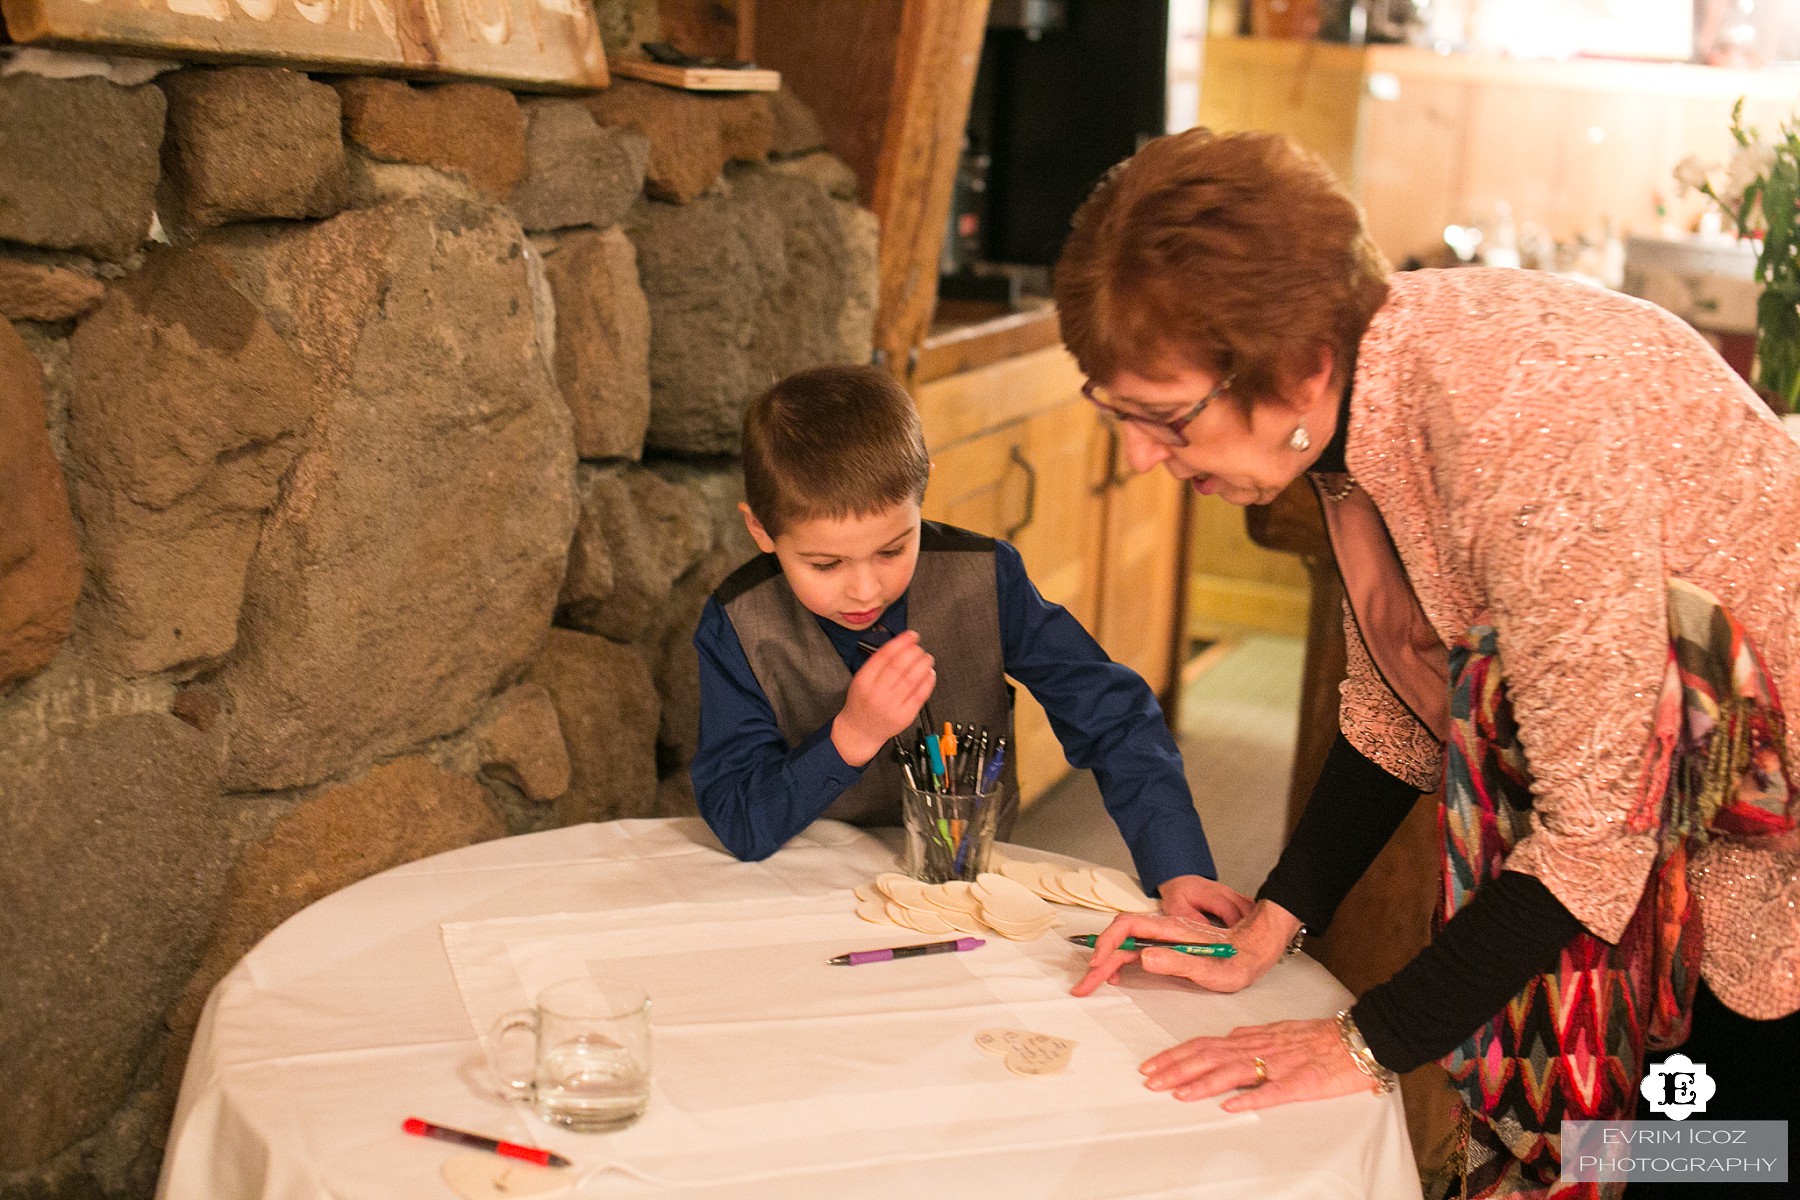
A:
1234	252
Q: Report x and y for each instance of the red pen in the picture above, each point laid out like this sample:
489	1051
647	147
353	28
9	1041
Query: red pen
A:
476	1141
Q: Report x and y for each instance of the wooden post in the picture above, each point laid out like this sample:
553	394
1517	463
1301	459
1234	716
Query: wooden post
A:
891	83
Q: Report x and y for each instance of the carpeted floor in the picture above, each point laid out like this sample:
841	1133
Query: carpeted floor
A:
1238	720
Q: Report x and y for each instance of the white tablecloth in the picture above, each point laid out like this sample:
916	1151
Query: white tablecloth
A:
775	1075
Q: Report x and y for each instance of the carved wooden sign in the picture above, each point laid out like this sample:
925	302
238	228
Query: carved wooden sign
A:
551	44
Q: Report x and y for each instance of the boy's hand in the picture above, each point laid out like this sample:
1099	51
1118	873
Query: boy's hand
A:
884	698
1198	898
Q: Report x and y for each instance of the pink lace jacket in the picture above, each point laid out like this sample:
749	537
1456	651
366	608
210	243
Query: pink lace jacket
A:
1546	455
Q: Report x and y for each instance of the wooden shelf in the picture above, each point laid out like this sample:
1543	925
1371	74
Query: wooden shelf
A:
697	79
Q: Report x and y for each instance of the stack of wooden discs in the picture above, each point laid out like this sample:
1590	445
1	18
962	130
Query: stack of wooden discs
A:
1015	901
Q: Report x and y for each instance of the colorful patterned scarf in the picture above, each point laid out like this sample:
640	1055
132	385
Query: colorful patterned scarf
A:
1571	1044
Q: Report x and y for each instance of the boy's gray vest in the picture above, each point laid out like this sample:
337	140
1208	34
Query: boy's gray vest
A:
953	606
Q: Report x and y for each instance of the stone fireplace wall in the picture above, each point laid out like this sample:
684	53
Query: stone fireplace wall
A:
365	459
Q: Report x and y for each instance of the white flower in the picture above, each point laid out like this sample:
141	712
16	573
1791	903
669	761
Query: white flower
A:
1749	164
1691	173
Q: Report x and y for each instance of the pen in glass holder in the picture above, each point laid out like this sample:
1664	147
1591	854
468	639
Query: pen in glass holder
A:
951	800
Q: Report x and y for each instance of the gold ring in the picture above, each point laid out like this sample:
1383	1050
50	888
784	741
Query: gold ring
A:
1262	1071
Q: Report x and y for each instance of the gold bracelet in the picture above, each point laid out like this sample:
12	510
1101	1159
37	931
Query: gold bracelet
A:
1364	1058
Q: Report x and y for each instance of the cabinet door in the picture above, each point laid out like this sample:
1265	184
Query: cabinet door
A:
1061	546
1140	574
1031	479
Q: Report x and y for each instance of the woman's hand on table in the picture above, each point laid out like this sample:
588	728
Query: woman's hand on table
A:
1197	898
1261	941
1301	1060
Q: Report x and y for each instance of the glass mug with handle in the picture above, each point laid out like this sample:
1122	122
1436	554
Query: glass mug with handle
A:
591	1069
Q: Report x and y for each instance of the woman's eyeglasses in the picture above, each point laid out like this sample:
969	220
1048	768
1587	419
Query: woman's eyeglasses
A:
1168	432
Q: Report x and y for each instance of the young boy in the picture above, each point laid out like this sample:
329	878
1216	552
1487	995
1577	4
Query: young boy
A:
795	709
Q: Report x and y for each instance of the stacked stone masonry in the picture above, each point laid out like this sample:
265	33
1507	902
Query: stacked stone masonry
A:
365	460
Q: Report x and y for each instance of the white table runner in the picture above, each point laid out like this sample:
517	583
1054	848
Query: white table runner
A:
862	1065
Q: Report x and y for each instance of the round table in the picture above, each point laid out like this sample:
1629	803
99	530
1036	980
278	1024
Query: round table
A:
775	1075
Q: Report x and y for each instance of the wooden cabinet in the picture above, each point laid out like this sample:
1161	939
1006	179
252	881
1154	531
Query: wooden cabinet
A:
1425	140
1019	454
1140	572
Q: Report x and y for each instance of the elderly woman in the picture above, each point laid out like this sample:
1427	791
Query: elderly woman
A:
1570	539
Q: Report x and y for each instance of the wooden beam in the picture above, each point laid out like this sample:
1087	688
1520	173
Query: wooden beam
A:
891	83
552	45
934	80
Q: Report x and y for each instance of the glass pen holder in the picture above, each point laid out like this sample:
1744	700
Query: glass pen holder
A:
949	835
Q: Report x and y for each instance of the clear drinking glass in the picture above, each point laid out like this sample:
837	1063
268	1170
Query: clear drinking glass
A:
949	835
591	1067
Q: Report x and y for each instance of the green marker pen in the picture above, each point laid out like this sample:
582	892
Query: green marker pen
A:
1198	949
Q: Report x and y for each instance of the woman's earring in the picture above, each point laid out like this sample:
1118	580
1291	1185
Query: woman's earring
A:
1300	440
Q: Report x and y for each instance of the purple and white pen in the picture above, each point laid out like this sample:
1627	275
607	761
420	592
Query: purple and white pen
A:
868	956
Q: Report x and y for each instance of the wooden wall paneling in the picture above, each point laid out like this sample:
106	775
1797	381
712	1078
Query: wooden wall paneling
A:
1466	130
841	60
1411	162
1704	122
1611	151
1226	81
1307	90
1319	105
1513	155
1706	119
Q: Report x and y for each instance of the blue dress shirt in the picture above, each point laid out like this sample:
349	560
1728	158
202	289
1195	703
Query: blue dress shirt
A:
757	792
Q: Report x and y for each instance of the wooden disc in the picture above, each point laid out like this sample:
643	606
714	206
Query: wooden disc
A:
481	1176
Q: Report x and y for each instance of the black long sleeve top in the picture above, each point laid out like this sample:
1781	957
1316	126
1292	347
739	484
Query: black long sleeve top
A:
1509	931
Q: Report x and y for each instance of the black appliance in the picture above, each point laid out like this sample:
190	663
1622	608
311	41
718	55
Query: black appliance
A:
1063	92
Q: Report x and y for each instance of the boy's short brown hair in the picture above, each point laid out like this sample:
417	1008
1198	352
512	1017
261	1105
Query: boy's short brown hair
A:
1232	253
832	442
